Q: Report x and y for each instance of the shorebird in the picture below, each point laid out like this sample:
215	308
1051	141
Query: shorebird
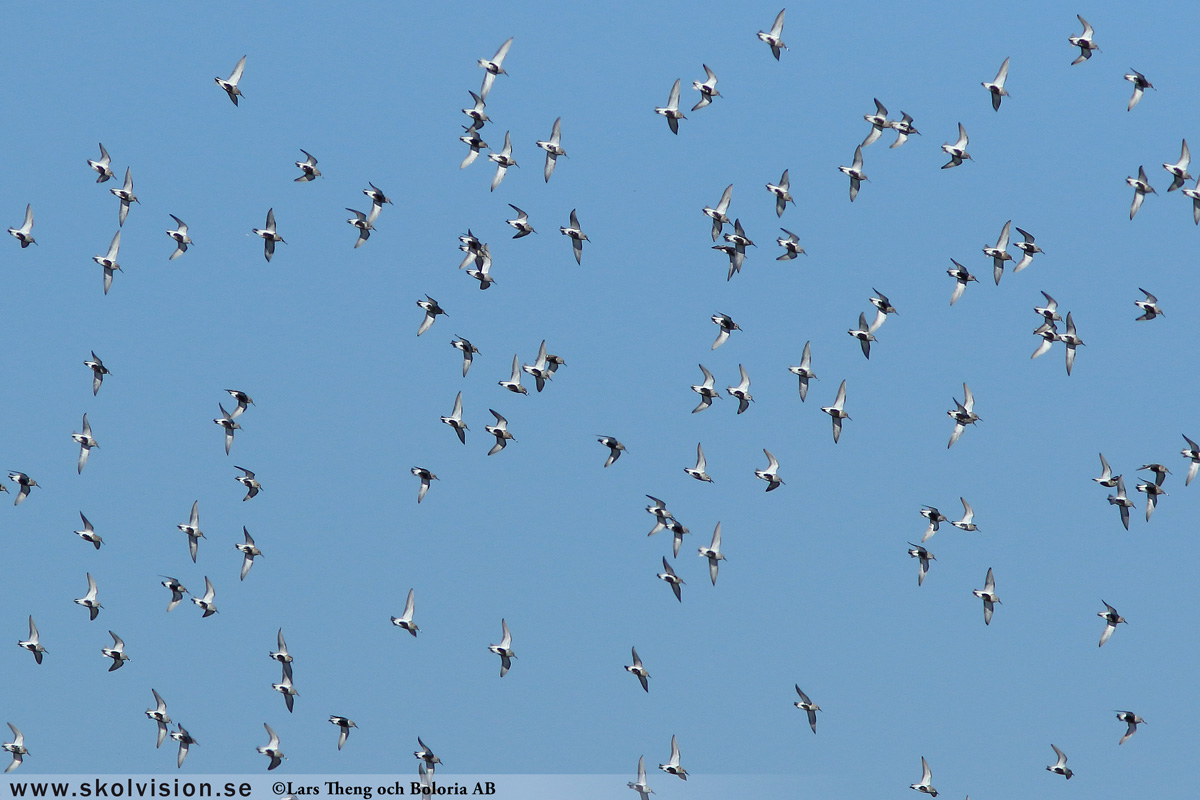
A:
180	236
1192	453
774	37
1132	720
363	223
271	750
432	311
672	766
641	787
243	401
736	255
116	652
1194	194
1083	42
988	595
25	482
504	649
1060	767
935	517
89	600
455	419
1111	620
88	534
520	224
770	474
227	424
177	590
1106	476
963	414
158	714
804	370
98	372
405	620
1178	170
837	411
468	350
967	523
483	273
1160	472
205	602
494	66
999	252
707	88
1149	306
1071	340
376	194
738	238
962	277
713	554
1049	311
344	725
1152	491
659	511
288	691
1028	248
863	334
281	653
513	384
248	550
883	307
126	196
33	644
996	87
109	260
247	479
503	160
308	168
477	112
540	368
741	391
782	195
1140	85
24	234
808	706
636	668
269	235
855	173
677	529
185	740
615	448
1141	187
553	149
904	128
926	784
231	85
426	756
500	431
698	471
670	577
578	237
791	246
671	109
958	150
1049	333
16	748
86	442
1121	501
923	557
473	140
705	390
426	476
719	214
879	122
101	165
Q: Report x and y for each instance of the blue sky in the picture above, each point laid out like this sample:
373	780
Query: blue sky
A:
817	590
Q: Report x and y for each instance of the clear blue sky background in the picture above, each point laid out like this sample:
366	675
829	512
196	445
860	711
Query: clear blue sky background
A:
817	590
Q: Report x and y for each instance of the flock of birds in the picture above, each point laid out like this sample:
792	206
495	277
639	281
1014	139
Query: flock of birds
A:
542	370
